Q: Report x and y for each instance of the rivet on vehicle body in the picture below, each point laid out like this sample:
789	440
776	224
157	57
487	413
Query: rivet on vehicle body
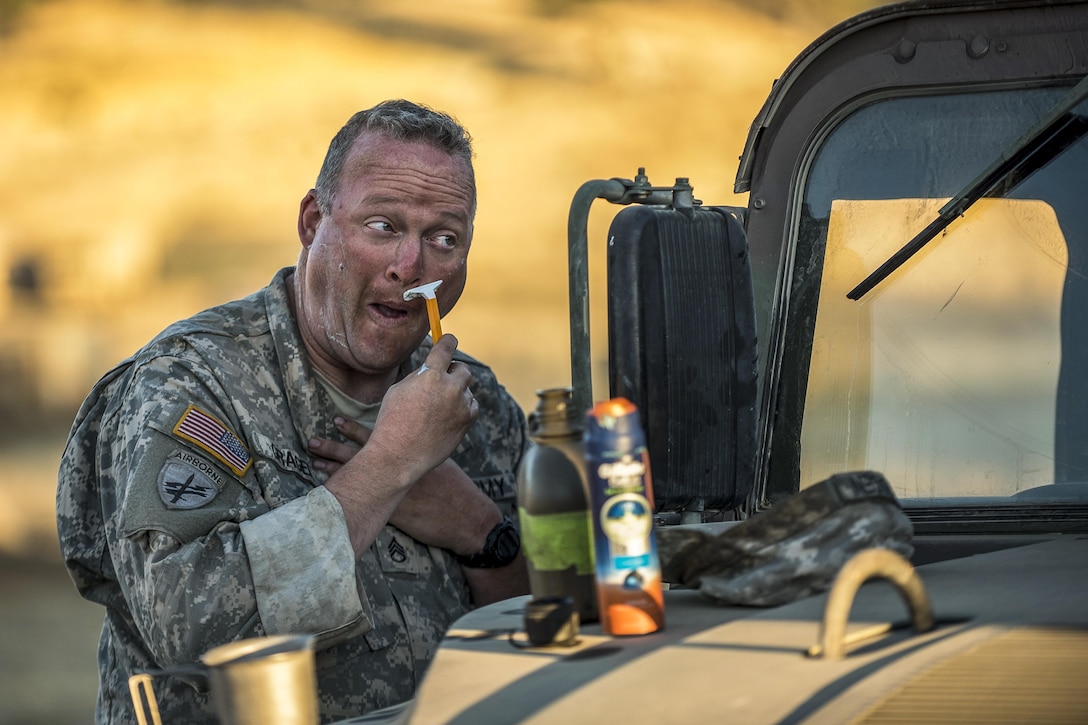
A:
980	45
906	50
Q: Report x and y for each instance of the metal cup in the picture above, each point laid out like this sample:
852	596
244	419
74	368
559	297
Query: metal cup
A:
264	680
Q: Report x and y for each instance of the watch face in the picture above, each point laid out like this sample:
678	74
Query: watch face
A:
507	545
502	547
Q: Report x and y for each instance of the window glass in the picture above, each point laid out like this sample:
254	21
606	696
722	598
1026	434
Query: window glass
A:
958	375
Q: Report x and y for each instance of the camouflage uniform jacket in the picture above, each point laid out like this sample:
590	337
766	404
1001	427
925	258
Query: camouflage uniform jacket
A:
188	507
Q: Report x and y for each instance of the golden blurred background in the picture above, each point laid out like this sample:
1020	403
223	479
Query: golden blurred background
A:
153	154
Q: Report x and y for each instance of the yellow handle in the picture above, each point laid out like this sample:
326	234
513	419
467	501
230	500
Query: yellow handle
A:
139	687
436	322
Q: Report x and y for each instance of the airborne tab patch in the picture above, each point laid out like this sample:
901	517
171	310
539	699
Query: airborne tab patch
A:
206	431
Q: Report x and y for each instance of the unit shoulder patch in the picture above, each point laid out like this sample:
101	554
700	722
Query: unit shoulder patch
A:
188	482
207	432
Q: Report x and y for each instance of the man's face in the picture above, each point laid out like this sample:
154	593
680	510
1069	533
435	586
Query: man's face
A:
402	217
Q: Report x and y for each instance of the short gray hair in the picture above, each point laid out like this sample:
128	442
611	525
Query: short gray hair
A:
397	119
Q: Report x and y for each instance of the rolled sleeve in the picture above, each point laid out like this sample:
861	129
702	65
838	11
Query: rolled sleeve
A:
303	569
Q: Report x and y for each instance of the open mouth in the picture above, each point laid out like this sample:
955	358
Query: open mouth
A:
388	311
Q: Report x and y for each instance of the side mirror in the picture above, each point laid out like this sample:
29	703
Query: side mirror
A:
682	346
681	340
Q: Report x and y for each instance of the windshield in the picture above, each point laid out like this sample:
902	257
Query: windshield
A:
961	374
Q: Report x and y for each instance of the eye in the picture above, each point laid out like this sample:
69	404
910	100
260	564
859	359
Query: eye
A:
447	241
380	225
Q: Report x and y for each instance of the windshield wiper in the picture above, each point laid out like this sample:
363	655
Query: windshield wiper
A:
1051	135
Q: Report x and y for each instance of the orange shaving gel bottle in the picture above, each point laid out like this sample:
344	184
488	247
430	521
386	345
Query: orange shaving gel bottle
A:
628	570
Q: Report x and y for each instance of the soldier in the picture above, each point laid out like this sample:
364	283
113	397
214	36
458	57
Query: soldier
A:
214	487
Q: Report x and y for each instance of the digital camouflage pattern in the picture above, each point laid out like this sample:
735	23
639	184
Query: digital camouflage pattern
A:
194	529
792	550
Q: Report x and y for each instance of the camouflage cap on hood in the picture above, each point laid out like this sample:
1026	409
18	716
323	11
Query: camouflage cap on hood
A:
791	551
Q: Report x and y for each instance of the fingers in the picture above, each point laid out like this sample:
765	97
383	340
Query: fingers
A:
333	454
330	455
441	354
441	359
473	404
327	466
341	452
352	430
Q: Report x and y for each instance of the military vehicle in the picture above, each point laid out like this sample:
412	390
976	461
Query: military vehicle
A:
904	294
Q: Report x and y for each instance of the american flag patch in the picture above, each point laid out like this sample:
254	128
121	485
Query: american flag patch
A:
214	437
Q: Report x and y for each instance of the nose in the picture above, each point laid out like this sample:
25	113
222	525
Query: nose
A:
406	266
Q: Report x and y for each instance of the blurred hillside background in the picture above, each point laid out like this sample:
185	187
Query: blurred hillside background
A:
153	154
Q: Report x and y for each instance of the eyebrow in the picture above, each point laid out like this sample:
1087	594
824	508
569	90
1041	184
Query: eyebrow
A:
399	200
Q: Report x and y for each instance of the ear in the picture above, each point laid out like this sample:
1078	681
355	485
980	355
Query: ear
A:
309	217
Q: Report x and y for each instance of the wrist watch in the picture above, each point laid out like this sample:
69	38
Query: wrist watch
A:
502	547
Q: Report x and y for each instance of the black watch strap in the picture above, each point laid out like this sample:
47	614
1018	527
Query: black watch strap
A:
501	548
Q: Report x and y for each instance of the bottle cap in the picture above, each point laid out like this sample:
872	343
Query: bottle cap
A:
554	414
